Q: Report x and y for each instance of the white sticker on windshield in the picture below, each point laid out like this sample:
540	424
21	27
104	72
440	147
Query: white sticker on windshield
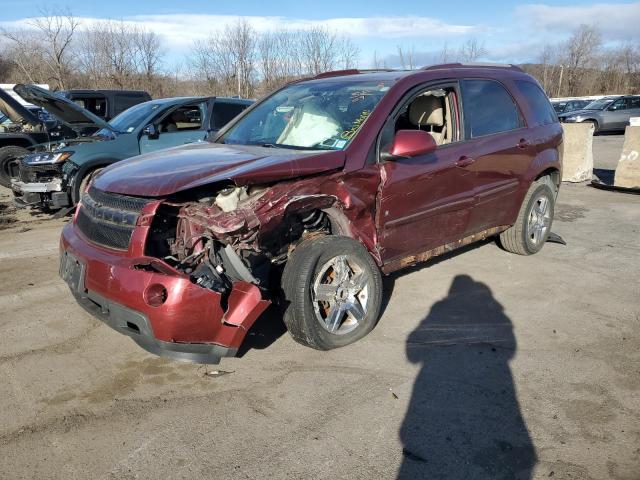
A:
340	143
130	129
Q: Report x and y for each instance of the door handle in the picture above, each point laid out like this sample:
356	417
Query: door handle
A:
523	143
465	161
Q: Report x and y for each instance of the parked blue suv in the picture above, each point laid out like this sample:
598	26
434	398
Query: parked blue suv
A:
55	178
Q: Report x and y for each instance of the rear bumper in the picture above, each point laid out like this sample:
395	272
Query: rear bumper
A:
193	324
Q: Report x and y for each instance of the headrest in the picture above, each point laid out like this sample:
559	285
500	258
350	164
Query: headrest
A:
427	110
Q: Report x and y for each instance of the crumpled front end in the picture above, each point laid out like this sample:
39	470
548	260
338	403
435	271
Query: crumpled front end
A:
42	185
158	302
194	270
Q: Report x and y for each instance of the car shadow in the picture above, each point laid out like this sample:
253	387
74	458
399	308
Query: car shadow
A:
464	419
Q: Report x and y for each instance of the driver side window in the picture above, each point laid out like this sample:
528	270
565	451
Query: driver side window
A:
183	118
433	110
620	104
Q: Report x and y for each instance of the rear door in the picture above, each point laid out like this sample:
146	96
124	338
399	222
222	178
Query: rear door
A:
500	151
180	125
633	104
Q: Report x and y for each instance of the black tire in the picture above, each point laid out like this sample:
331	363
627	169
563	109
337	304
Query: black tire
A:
523	238
306	263
8	155
80	185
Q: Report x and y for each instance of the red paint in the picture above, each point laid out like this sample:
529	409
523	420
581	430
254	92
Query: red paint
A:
190	314
409	143
397	208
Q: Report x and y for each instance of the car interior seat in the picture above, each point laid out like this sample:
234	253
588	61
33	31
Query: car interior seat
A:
426	112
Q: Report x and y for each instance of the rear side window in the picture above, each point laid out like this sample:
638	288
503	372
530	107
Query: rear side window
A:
224	112
122	102
542	110
488	108
633	102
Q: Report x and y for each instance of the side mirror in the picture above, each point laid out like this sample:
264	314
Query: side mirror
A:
411	143
151	131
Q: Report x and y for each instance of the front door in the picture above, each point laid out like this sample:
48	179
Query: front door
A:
616	115
182	125
424	201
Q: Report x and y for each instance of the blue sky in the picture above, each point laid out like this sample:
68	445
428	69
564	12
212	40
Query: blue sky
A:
511	31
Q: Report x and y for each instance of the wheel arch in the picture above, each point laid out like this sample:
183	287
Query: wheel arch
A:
16	141
84	170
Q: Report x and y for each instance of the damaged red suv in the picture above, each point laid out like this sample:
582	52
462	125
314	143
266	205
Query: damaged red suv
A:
309	196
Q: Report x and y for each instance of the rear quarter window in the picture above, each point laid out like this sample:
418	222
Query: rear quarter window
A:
488	108
224	112
541	109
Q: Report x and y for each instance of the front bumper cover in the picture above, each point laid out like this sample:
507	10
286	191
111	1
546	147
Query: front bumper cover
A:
49	193
54	185
194	324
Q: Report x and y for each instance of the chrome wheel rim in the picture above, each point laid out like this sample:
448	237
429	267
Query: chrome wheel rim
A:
539	220
340	295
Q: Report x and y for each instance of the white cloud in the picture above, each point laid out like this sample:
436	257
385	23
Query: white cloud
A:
182	29
616	21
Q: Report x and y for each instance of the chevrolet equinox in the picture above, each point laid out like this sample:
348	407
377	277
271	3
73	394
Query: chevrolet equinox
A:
309	197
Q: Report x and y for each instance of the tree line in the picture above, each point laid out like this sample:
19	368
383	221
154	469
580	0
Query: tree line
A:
58	50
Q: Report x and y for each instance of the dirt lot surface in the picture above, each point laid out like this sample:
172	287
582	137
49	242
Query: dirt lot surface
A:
484	365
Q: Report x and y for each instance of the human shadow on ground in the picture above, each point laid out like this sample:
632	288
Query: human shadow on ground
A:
464	420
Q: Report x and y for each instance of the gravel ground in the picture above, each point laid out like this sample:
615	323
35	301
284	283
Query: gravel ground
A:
484	365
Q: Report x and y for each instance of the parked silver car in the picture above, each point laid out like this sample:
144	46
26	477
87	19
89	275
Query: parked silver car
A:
566	106
607	114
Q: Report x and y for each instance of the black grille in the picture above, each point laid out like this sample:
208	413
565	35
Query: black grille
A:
109	219
39	173
119	202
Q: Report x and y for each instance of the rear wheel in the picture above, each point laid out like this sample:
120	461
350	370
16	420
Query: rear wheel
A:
8	155
333	292
529	234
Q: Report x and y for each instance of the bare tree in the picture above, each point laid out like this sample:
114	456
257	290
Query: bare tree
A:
472	50
377	61
49	41
580	52
549	62
227	59
406	57
114	54
445	53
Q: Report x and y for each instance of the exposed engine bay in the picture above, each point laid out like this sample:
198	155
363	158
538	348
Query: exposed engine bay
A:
239	234
21	128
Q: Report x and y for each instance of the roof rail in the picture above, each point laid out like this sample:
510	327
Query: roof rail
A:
473	65
352	71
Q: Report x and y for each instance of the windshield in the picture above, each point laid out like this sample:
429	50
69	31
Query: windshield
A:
312	115
599	104
130	119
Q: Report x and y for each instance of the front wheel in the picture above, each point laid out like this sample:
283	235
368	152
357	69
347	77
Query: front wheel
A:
333	292
8	155
533	225
82	183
